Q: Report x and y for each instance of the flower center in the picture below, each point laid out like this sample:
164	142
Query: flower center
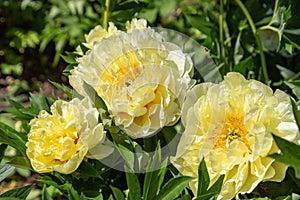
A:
127	65
233	129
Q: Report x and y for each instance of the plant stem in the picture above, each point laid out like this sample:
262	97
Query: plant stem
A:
105	15
221	34
257	39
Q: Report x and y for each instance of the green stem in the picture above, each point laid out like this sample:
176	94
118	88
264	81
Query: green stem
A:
105	15
257	39
221	35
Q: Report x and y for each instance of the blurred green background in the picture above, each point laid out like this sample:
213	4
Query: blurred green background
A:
35	33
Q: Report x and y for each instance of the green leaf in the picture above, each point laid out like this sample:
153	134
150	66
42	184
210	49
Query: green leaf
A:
285	72
270	39
68	91
295	87
20	162
203	178
133	186
45	194
5	171
205	193
217	186
296	111
91	92
154	178
173	188
13	138
2	150
66	71
118	194
72	193
238	50
86	170
166	6
83	48
244	65
128	5
186	197
39	102
127	155
50	181
199	23
70	57
20	193
290	154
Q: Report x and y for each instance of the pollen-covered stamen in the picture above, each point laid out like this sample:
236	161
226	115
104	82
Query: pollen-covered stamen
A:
233	129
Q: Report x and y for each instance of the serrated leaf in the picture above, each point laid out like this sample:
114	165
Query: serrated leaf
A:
5	171
118	194
20	193
173	188
290	154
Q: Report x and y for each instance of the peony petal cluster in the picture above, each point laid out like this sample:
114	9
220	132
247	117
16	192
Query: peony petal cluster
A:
59	141
141	77
230	126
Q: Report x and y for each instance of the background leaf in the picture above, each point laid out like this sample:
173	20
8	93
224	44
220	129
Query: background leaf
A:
5	171
118	194
173	188
290	154
20	193
133	186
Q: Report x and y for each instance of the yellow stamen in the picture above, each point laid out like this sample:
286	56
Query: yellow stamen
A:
233	129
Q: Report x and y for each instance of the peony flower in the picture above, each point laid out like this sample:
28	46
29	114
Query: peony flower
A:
59	141
98	33
230	125
141	78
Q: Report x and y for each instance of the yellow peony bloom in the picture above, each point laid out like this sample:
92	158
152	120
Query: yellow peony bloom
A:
59	141
98	33
142	79
230	125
